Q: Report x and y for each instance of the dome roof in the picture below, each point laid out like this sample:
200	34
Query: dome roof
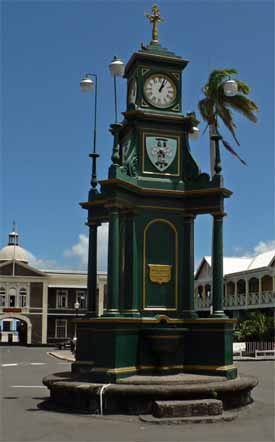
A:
14	252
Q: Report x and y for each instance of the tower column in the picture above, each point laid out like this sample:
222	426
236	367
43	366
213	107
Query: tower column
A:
135	288
217	266
113	262
92	269
186	301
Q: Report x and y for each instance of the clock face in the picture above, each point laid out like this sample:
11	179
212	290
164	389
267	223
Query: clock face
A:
160	91
132	91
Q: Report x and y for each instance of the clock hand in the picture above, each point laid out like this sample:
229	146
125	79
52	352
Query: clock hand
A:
162	85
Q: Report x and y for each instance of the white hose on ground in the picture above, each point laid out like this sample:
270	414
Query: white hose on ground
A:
101	398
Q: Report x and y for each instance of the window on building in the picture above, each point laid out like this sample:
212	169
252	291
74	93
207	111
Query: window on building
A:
22	297
241	286
208	290
60	328
81	298
200	291
7	325
62	299
253	285
2	297
12	297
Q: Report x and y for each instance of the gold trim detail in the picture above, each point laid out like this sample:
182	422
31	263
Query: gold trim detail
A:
176	209
157	134
164	336
143	103
176	108
184	193
211	367
209	330
114	370
176	75
160	273
102	320
145	306
162	367
144	71
159	309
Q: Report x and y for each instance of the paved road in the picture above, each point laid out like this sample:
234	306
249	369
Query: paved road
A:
21	392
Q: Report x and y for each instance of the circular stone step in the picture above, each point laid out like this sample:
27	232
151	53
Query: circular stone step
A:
67	391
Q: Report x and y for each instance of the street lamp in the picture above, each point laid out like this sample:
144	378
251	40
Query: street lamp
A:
193	130
117	70
195	133
230	88
76	308
88	85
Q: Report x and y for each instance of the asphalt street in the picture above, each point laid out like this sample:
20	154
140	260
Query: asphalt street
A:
22	419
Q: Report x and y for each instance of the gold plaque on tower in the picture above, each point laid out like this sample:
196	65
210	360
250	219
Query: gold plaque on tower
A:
160	273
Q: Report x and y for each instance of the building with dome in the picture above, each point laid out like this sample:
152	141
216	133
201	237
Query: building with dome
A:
37	306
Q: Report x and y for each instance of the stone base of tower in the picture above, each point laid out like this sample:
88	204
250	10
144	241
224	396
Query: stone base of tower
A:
161	396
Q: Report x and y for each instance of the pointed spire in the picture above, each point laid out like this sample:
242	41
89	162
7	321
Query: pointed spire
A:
13	236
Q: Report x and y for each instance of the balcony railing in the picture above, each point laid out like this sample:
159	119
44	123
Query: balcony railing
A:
235	302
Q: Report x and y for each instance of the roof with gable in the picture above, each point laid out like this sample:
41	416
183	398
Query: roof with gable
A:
241	264
263	260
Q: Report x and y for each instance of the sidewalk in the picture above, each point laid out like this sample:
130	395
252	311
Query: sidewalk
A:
65	355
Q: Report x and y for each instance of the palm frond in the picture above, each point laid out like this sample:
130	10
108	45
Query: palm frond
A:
233	152
205	129
226	115
243	87
206	108
243	105
216	78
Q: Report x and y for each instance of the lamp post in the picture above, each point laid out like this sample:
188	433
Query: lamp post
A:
76	309
117	70
87	85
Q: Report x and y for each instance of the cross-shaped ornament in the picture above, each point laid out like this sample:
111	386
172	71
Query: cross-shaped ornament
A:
155	18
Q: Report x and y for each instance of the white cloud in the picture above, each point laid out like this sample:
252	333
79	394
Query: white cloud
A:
263	246
40	263
80	249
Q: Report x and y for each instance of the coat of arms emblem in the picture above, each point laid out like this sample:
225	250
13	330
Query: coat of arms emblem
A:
161	151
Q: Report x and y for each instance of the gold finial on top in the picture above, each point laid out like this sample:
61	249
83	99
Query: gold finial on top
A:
154	18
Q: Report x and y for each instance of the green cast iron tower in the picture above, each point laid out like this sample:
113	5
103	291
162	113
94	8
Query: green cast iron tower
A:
151	198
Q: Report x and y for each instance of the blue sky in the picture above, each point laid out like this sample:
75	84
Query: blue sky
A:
46	131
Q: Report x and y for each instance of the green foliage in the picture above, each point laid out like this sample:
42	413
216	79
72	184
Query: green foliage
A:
216	105
258	327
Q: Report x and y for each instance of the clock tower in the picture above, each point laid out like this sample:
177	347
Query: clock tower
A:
153	194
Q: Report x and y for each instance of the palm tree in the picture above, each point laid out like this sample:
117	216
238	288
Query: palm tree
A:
216	105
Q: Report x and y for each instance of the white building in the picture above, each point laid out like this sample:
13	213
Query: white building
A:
249	284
